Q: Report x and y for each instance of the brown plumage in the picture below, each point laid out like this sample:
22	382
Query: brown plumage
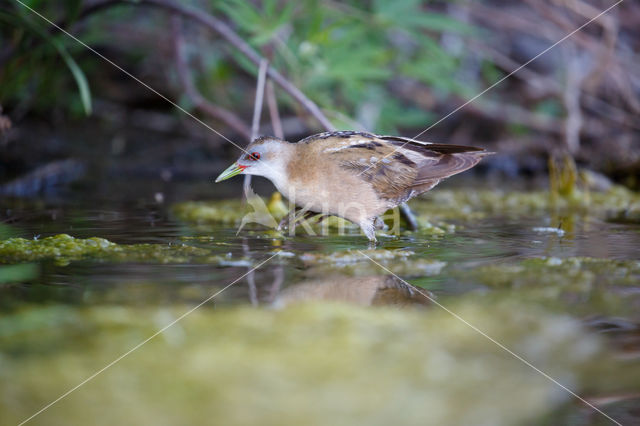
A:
354	175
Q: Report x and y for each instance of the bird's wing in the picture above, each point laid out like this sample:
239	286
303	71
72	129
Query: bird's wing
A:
398	168
389	173
436	161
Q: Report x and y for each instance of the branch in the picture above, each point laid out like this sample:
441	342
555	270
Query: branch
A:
227	33
257	112
546	86
276	122
571	98
192	92
5	123
513	114
259	101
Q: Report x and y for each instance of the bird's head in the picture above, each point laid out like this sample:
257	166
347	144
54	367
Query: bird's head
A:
265	156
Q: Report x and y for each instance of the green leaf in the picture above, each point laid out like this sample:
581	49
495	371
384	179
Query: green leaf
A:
439	23
78	75
76	71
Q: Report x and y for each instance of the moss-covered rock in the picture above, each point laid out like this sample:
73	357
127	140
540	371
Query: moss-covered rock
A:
223	211
579	285
64	248
309	364
478	204
554	271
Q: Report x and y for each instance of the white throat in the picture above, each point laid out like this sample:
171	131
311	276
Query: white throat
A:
275	168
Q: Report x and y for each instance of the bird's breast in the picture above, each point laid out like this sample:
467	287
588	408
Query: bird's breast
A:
330	188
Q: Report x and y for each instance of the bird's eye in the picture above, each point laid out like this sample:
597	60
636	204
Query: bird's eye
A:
254	156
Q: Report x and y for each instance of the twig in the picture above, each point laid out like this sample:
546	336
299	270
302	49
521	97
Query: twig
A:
190	89
544	85
605	54
257	113
227	33
276	122
259	101
5	123
571	98
547	86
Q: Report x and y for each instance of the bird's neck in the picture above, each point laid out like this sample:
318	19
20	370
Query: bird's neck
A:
278	173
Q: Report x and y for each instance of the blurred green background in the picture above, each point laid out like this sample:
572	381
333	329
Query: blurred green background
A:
388	67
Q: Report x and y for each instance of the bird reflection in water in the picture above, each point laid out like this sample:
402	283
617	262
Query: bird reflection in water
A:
375	290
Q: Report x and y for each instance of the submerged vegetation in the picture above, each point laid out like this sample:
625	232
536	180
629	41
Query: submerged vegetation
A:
418	366
614	203
573	317
584	287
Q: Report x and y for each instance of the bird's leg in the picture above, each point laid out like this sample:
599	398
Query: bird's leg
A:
324	229
379	224
286	221
307	214
368	228
408	215
294	216
321	218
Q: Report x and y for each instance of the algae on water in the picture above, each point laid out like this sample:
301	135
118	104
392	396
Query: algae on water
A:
268	213
554	271
308	364
64	248
616	203
579	285
371	261
479	204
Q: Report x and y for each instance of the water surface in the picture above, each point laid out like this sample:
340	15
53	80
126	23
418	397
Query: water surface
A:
555	271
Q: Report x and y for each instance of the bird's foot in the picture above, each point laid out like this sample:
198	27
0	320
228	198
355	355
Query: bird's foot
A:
284	224
368	228
288	219
294	216
378	223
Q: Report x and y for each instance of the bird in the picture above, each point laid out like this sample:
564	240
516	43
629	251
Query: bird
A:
354	175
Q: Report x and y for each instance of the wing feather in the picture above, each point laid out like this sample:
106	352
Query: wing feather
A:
398	168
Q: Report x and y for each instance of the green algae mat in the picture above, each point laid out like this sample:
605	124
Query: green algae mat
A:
309	364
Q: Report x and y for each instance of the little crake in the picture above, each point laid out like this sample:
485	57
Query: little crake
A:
354	175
